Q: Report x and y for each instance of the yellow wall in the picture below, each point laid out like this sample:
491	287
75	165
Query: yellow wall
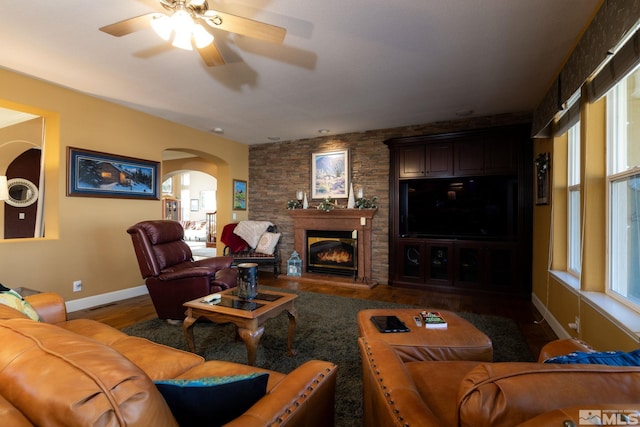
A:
85	238
563	302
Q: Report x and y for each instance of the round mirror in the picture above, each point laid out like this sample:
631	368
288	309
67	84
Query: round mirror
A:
22	192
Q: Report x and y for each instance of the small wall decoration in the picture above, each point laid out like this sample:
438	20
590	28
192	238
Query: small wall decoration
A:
543	183
96	174
239	195
330	174
22	193
195	205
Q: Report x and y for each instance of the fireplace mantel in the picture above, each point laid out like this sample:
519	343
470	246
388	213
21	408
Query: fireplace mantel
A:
340	220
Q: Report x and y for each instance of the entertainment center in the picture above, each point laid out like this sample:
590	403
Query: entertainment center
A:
461	210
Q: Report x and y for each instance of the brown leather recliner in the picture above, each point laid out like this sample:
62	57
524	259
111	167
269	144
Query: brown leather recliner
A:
171	275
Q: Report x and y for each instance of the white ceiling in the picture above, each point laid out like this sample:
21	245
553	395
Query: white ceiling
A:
345	65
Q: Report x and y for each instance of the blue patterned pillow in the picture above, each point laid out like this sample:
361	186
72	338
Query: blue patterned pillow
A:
212	401
611	358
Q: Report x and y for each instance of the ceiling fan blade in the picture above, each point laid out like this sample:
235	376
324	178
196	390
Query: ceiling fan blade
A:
244	26
129	26
211	55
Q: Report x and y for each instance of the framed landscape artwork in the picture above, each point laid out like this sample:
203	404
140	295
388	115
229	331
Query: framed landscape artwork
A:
96	174
239	195
330	174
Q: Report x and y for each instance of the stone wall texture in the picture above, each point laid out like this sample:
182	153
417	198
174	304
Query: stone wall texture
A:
278	170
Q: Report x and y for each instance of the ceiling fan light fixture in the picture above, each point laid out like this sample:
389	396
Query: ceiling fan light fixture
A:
182	21
162	26
182	40
201	37
182	28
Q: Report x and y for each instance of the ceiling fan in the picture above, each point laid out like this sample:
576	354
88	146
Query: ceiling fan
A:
191	23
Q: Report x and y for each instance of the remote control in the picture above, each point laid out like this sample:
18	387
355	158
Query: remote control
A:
418	321
212	298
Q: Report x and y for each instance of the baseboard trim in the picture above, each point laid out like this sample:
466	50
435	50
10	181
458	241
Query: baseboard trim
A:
548	317
102	299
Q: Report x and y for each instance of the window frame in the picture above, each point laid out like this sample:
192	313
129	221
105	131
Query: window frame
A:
574	216
618	170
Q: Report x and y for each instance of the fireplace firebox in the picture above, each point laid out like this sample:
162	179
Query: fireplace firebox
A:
332	252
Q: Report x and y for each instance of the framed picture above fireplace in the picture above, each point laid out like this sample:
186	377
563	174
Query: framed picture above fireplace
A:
330	174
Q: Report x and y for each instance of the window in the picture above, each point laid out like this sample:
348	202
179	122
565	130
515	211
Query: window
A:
574	229
623	180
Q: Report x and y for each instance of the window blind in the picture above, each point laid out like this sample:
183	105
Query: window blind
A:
570	117
622	62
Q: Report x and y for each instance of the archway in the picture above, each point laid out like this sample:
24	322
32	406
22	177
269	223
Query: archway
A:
190	195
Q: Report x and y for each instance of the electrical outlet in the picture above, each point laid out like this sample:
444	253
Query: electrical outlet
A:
575	325
77	285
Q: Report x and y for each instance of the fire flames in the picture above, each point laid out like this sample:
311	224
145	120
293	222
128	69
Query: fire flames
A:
337	255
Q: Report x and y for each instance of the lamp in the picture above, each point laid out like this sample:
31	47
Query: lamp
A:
182	28
4	190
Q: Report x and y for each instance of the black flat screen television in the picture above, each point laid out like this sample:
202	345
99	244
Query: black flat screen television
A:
467	208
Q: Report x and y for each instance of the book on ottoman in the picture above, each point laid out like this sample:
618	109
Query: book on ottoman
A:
433	319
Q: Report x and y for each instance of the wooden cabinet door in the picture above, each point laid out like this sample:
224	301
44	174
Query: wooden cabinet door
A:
439	262
439	160
411	162
501	259
470	264
469	158
410	260
500	155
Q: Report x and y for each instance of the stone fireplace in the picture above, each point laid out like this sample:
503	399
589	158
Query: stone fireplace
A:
345	229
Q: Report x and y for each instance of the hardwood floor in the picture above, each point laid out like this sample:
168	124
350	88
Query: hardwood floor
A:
128	312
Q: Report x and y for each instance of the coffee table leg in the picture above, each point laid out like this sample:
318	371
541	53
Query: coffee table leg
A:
251	339
187	328
292	326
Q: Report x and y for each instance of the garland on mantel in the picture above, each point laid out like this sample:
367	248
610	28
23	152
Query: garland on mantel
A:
327	204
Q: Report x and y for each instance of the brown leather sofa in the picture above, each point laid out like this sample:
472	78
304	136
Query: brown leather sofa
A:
59	372
479	394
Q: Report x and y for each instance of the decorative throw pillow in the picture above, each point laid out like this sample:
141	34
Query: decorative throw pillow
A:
212	401
14	300
611	358
267	243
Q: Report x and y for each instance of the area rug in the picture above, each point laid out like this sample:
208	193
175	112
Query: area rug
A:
327	330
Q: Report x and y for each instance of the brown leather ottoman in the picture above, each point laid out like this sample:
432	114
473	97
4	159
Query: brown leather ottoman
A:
459	341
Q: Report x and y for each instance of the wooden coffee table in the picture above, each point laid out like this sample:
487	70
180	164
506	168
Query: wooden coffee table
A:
248	316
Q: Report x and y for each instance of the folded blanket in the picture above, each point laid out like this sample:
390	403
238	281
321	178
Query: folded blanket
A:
233	241
251	231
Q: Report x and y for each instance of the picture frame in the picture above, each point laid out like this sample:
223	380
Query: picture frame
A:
97	174
239	195
542	179
330	174
195	205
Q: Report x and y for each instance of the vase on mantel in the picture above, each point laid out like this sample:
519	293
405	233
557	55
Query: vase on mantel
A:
305	203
